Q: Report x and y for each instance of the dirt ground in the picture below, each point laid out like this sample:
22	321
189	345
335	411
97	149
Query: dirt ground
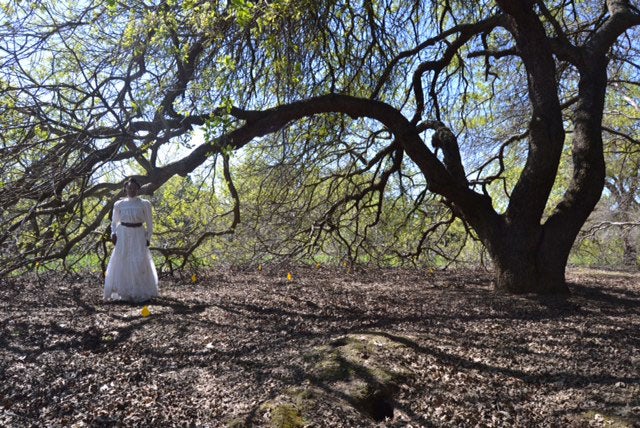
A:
332	348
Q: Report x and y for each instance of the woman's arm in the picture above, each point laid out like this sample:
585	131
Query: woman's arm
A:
115	219
148	217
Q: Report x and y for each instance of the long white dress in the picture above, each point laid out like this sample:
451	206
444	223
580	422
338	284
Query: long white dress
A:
131	275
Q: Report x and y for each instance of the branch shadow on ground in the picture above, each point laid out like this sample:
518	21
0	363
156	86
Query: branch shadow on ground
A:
266	337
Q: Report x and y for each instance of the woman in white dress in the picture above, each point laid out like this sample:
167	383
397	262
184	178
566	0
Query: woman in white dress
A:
131	275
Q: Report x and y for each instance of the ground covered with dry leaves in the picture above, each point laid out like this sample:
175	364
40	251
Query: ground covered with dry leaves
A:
393	348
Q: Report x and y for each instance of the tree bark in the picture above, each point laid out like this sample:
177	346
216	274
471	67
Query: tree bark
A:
524	276
626	201
522	263
532	257
630	254
523	260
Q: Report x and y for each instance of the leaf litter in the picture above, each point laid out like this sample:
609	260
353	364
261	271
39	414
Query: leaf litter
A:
375	347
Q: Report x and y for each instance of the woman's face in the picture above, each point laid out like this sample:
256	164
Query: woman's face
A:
131	189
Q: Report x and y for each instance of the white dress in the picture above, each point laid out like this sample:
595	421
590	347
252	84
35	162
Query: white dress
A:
131	275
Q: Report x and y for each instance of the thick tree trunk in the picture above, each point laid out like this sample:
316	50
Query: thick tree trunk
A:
517	244
630	255
626	200
523	264
518	276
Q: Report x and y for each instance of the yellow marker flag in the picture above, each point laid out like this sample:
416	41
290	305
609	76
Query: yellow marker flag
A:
194	278
290	276
317	265
145	311
260	267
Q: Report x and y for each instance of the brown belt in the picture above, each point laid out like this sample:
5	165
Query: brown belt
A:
131	224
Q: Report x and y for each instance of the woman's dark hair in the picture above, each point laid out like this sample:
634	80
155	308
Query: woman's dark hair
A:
133	181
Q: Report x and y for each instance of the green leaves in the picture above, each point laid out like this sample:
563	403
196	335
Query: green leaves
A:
91	96
226	62
112	4
243	12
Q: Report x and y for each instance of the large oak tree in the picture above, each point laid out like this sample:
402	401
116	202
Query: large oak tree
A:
442	87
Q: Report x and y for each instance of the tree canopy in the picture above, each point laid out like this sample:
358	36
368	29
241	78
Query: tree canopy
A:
325	119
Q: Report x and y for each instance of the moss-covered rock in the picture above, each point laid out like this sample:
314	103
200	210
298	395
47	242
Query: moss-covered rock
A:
330	366
364	369
236	423
284	415
302	397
